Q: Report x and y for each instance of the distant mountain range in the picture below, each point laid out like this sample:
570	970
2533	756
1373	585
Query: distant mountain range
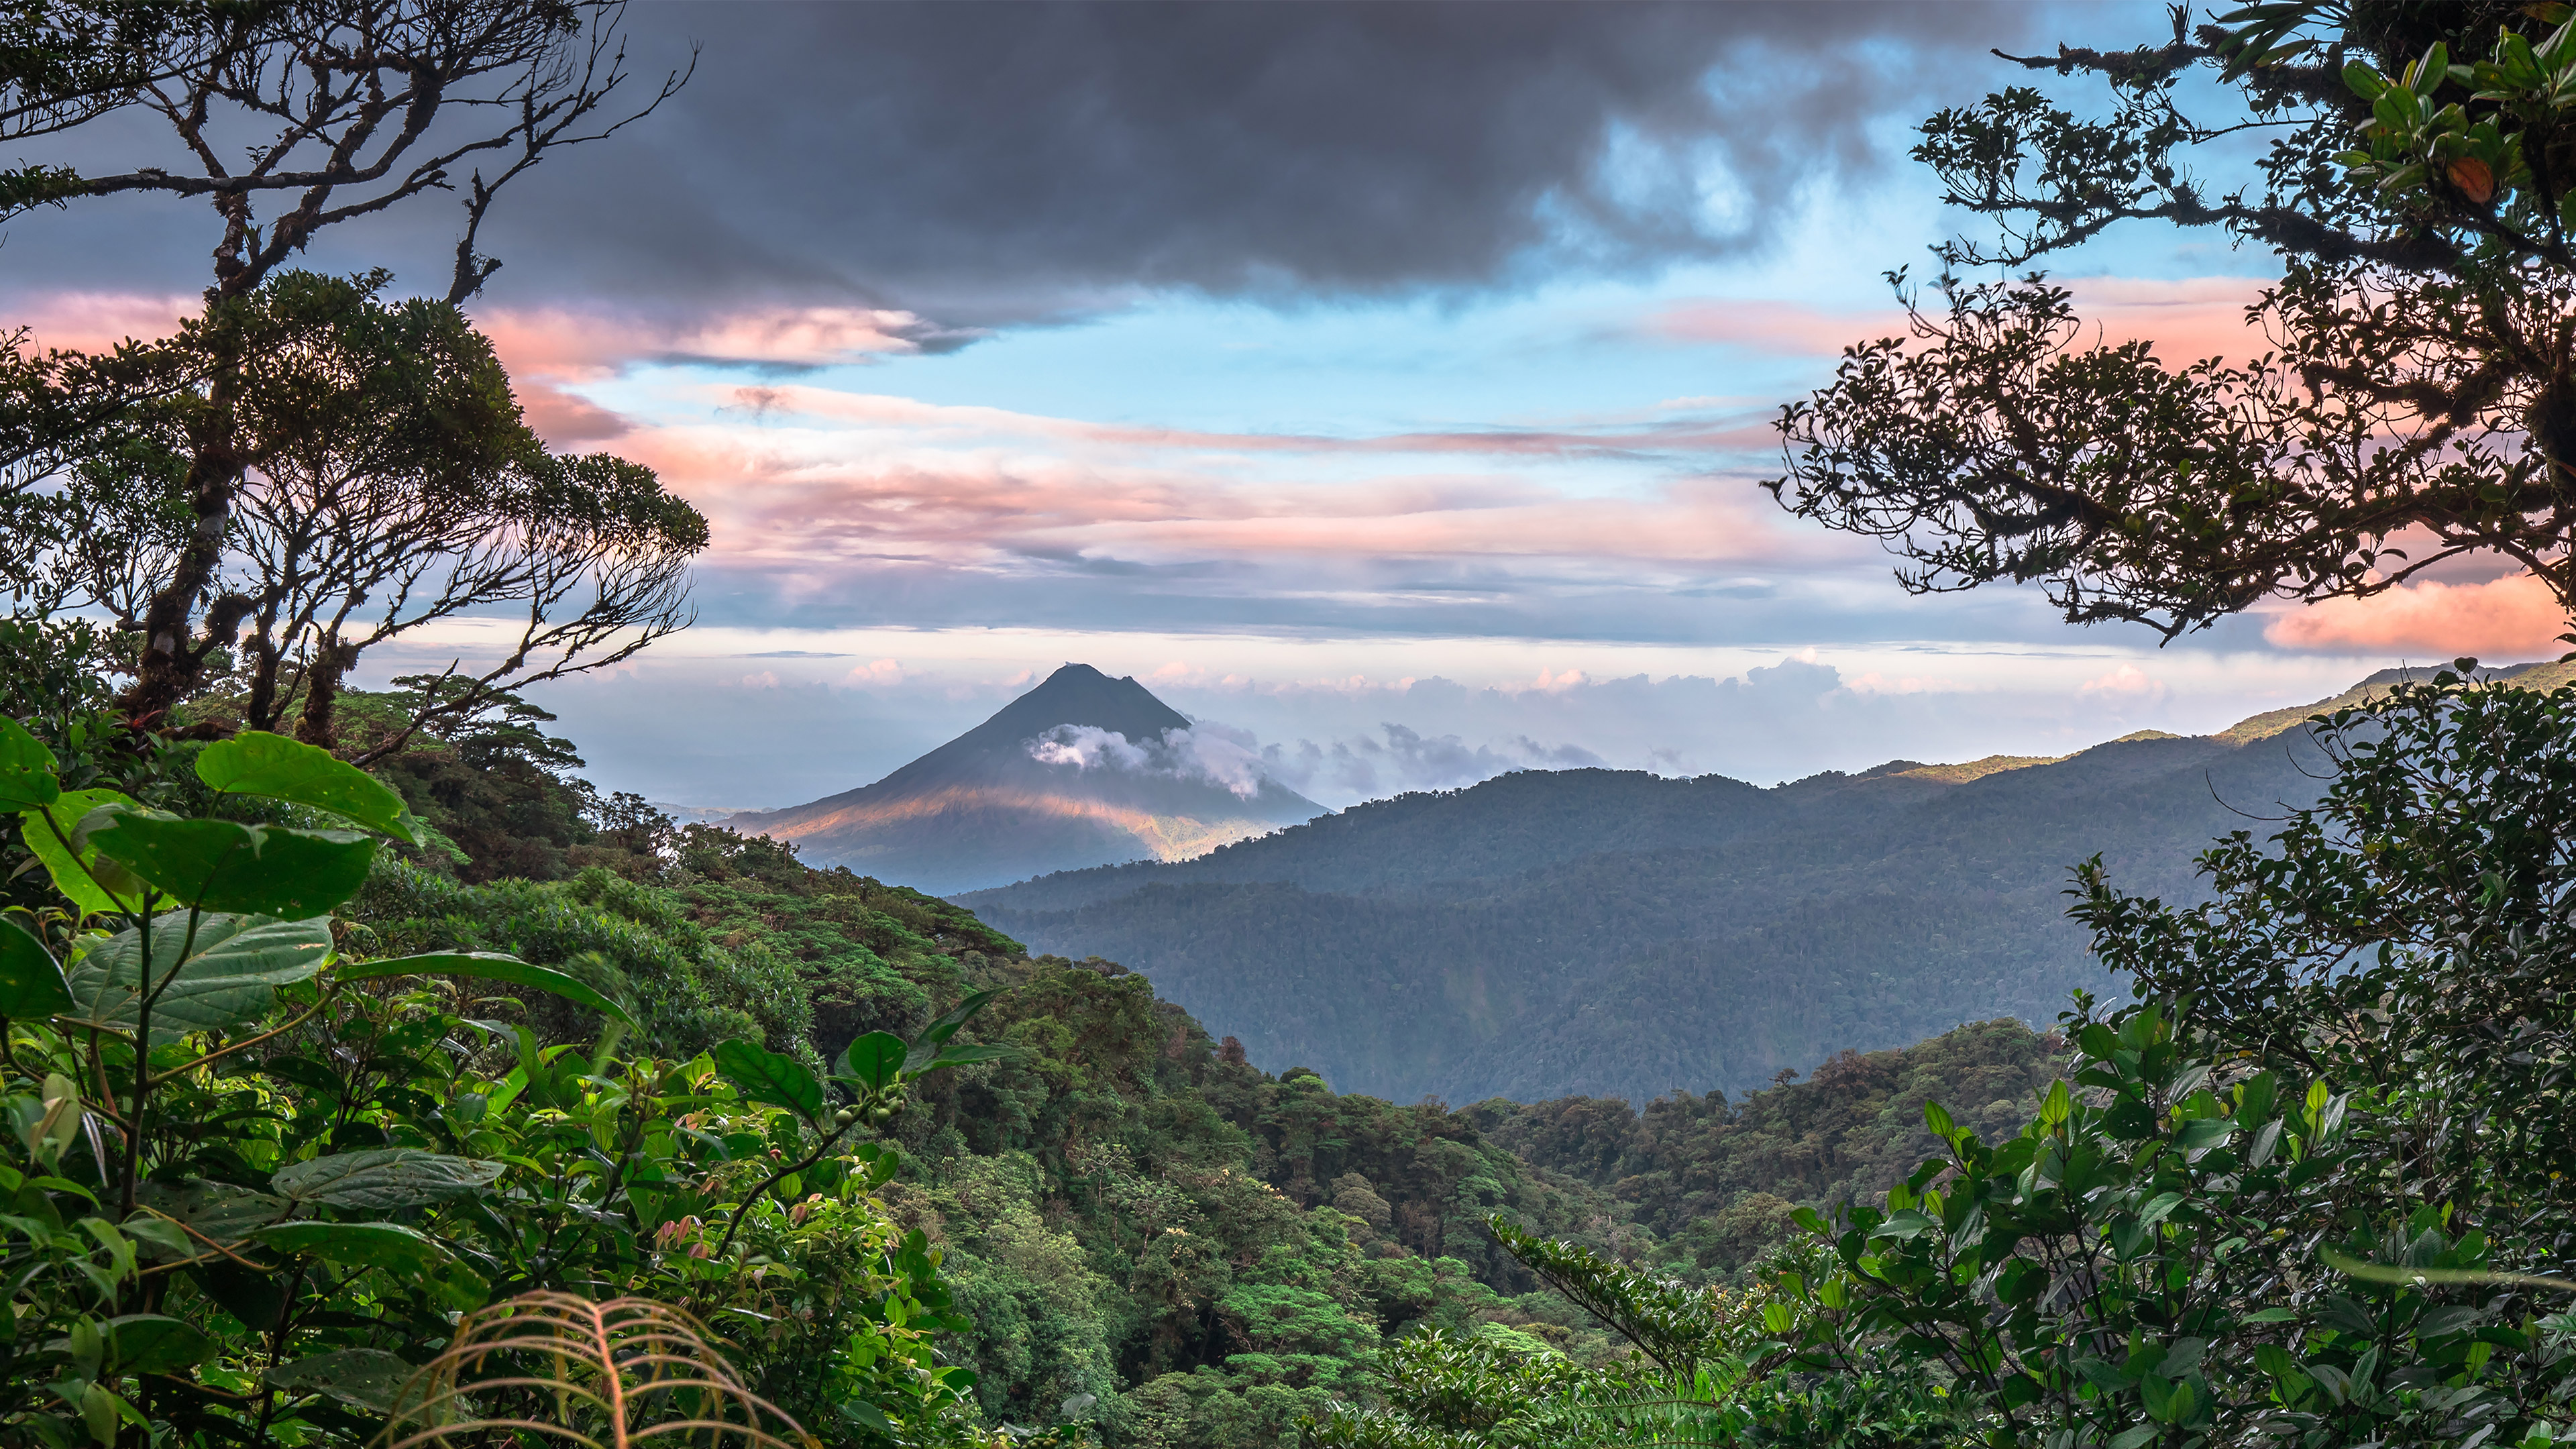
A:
1081	771
1617	934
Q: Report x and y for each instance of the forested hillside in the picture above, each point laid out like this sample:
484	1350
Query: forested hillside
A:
1616	934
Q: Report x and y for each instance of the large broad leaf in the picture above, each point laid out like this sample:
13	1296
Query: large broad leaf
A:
229	976
26	769
925	1047
149	1343
221	865
385	1177
765	1076
31	984
78	871
363	1378
875	1061
258	763
216	1212
406	1253
489	966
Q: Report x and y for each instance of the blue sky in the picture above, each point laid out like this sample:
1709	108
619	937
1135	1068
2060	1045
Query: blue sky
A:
1415	435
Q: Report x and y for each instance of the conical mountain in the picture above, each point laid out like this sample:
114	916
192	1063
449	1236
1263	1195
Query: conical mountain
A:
1083	770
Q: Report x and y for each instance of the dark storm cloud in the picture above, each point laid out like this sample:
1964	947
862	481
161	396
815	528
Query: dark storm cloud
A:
993	162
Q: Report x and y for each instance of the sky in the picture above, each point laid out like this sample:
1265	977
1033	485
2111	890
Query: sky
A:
1389	385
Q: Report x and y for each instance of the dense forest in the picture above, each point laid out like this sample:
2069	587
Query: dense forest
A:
1619	934
1315	1224
371	1080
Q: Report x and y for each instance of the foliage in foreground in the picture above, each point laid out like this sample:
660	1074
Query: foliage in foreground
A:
2307	1189
254	1175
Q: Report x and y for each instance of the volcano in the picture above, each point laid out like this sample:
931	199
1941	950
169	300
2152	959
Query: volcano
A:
1083	770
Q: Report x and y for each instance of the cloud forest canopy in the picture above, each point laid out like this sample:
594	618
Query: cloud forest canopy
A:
2415	394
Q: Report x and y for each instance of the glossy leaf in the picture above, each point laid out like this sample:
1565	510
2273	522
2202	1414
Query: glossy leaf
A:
97	886
766	1076
490	966
368	1379
26	769
31	981
875	1060
220	1212
221	865
385	1177
232	969
258	763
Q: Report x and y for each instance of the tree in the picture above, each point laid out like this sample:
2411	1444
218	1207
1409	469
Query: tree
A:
353	92
387	481
2415	401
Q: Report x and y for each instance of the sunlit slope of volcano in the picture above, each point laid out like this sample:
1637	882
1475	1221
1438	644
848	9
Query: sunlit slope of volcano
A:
1083	770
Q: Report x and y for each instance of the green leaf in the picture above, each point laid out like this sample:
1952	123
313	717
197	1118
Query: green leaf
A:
2202	1132
926	1046
489	966
221	865
31	983
258	763
368	1379
385	1177
2058	1105
219	1211
78	872
2159	1208
1937	1117
26	769
149	1343
959	1056
229	976
404	1252
876	1060
765	1076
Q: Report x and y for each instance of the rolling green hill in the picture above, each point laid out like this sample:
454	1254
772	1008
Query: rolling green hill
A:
1615	934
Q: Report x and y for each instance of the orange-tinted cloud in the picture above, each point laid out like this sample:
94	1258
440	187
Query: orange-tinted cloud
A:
2513	617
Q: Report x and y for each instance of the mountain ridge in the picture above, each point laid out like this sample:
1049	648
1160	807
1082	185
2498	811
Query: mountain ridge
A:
1619	934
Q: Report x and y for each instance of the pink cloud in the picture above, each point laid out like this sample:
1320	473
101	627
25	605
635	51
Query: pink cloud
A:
2127	684
96	321
2510	617
1788	328
2187	319
817	503
583	346
550	353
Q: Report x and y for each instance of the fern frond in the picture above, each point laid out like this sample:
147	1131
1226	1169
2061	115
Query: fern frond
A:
610	1375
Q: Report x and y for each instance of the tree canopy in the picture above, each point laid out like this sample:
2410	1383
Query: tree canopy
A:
2409	390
